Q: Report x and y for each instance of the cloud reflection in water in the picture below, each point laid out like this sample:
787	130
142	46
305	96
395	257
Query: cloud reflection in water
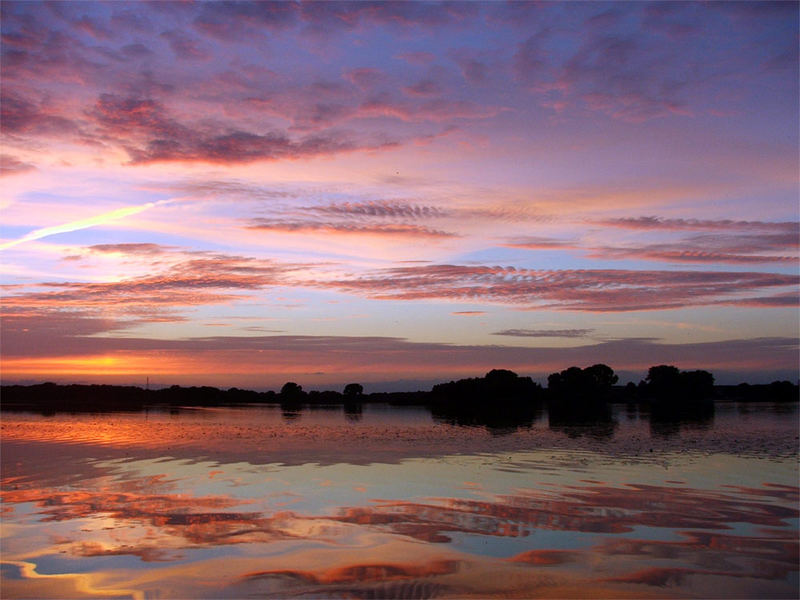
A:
112	521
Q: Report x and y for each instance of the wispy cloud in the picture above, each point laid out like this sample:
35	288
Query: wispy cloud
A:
721	242
721	247
187	280
545	333
10	165
396	229
578	290
541	243
660	223
383	209
146	248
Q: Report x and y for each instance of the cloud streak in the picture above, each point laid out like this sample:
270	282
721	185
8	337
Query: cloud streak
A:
574	290
101	219
545	333
384	209
392	230
658	223
721	242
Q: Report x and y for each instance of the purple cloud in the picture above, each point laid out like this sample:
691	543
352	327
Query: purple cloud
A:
184	46
147	132
24	116
425	87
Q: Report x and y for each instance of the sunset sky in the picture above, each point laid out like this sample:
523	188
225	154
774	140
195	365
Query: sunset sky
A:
243	194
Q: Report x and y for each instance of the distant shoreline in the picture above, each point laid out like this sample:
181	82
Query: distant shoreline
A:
53	397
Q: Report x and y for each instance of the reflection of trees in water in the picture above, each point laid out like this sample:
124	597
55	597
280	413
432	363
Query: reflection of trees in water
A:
575	419
632	411
777	408
501	401
578	401
291	411
670	422
353	411
500	420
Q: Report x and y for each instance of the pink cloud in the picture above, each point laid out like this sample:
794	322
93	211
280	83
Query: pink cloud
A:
22	115
725	242
10	165
579	290
148	249
195	280
541	243
659	223
382	209
669	253
383	229
722	246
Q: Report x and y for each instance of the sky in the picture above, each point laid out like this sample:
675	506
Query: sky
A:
397	194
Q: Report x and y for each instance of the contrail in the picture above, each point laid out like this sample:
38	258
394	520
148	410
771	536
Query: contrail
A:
82	224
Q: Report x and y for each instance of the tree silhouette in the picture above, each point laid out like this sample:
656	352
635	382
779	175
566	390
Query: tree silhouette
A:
497	384
602	377
581	396
291	390
575	383
663	380
697	385
501	401
667	382
678	397
353	389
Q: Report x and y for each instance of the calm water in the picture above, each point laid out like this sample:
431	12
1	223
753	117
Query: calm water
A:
392	503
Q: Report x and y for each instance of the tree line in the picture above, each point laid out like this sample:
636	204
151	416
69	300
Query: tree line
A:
574	390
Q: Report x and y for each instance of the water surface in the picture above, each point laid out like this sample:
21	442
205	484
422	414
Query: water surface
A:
394	503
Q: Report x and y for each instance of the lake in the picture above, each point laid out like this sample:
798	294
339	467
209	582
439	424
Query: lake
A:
391	502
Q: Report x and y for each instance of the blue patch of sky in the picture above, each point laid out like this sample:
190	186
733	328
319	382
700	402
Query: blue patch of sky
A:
579	259
11	232
524	259
91	236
